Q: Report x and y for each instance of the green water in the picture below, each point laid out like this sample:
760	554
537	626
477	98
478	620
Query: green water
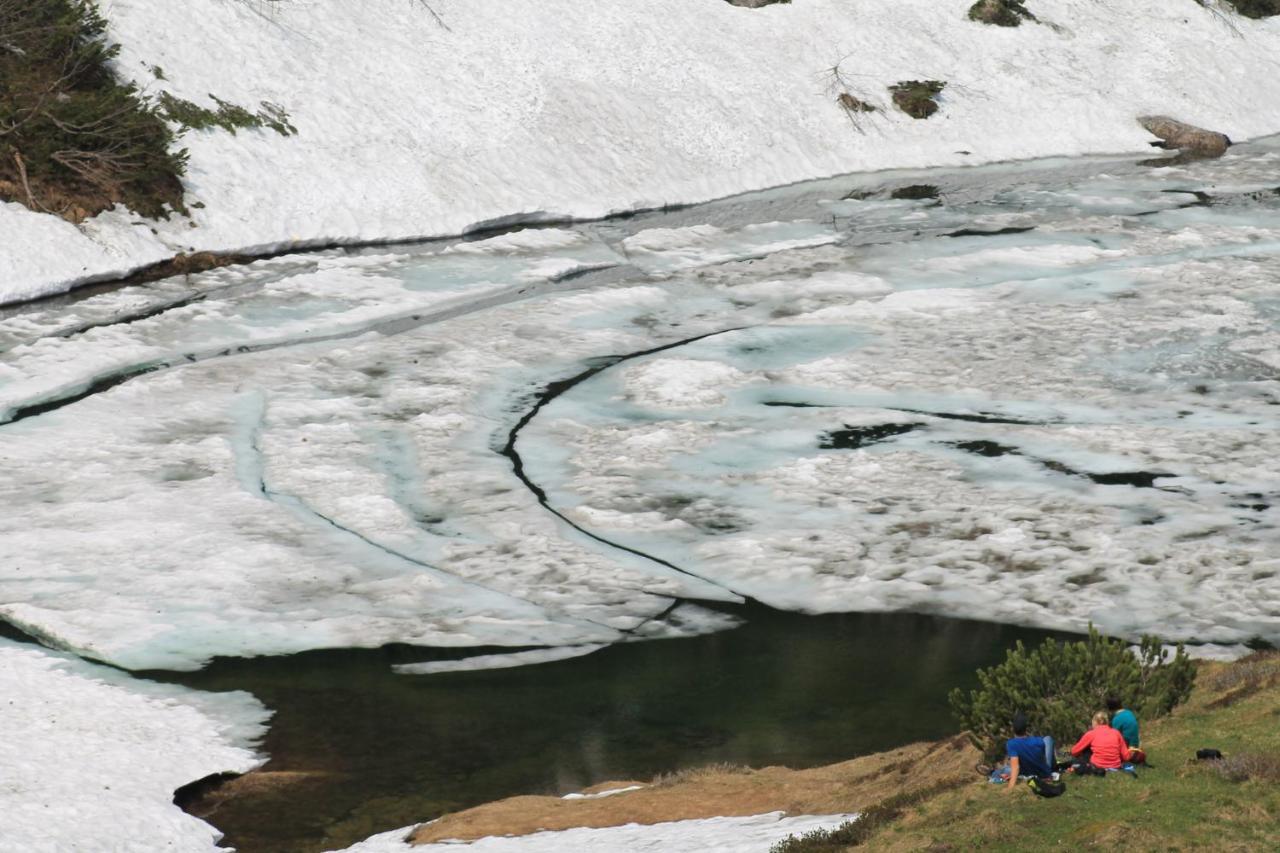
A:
392	750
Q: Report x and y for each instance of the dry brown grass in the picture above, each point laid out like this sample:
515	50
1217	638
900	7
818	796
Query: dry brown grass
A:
1246	766
726	790
1244	678
693	774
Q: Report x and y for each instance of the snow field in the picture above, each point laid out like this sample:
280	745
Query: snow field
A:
413	126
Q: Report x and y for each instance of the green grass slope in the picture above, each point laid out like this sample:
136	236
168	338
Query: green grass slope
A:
1177	804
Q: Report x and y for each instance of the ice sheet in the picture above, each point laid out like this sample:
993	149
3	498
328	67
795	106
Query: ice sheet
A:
1080	426
533	656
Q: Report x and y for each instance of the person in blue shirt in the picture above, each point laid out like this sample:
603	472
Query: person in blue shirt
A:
1028	755
1126	722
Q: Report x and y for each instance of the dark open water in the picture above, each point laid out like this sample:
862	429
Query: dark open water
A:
391	750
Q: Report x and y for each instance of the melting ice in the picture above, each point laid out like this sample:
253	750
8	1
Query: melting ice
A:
1042	394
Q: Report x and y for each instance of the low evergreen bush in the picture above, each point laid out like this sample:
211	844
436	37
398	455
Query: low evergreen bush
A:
229	117
73	138
916	98
1001	13
1256	8
1060	685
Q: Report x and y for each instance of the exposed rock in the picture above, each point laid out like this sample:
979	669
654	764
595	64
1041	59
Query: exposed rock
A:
1179	135
754	4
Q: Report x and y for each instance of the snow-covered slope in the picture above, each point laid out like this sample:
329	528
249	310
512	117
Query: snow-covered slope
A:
418	121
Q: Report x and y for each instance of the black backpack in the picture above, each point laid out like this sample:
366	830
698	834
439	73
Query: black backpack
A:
1047	787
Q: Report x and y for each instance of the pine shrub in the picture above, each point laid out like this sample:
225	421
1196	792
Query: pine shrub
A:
229	117
917	98
1059	686
1001	13
71	135
1256	8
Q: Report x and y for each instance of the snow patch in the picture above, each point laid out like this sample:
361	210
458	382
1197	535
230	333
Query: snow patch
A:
93	756
755	834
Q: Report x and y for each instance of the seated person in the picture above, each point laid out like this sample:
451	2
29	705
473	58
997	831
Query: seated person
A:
1107	746
1028	755
1124	721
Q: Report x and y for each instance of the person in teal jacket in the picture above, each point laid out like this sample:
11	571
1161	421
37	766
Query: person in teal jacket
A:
1124	721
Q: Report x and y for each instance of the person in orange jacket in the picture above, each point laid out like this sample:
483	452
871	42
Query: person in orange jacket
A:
1106	745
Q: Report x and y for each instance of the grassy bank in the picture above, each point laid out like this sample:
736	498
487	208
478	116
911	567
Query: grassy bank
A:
1178	804
928	796
900	775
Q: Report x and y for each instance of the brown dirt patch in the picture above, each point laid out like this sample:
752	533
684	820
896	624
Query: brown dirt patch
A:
185	265
845	787
254	783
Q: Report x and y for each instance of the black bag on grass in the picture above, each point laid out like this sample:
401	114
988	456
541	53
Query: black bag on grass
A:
1047	787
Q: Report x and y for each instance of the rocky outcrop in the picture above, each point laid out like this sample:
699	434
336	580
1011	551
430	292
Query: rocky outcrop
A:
1185	137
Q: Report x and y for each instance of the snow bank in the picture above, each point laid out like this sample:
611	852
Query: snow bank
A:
755	834
413	124
92	757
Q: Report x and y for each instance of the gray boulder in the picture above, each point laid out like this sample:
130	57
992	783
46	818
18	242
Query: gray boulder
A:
1179	135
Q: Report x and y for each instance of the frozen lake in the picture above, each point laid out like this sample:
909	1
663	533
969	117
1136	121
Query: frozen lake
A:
1040	395
1043	394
